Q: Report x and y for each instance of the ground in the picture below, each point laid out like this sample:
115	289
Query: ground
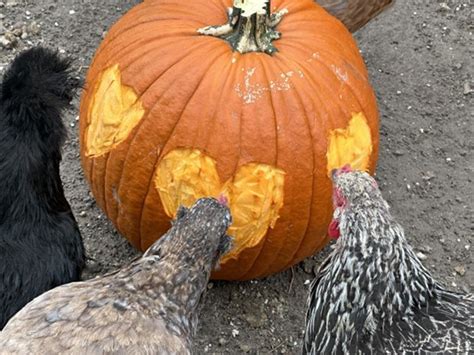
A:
419	58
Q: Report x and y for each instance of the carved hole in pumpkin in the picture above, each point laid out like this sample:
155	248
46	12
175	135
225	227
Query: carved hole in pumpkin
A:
255	193
114	111
351	145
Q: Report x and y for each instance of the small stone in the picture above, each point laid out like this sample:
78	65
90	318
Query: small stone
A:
467	88
2	16
461	270
28	13
235	332
244	347
222	341
426	249
444	6
398	153
8	40
83	213
256	319
5	43
33	28
308	266
421	256
210	285
17	32
428	176
72	12
92	268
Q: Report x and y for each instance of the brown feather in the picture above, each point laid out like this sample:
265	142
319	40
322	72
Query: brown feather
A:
355	13
147	307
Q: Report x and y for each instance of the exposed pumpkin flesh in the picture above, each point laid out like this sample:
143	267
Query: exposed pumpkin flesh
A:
351	145
255	193
114	111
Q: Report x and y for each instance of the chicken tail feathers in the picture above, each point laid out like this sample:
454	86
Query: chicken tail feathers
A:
35	89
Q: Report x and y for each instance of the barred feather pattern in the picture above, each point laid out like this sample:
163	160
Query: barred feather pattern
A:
372	295
355	13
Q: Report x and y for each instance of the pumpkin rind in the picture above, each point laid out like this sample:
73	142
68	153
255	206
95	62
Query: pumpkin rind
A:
278	111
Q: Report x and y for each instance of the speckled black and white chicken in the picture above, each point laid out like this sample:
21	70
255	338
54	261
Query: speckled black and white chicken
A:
148	307
372	295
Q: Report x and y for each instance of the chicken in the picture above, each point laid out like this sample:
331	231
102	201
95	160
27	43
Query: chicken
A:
355	13
148	307
40	243
372	295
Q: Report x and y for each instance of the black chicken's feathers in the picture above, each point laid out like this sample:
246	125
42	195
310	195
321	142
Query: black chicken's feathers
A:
40	243
35	88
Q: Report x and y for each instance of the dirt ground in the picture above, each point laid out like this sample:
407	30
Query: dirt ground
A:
418	55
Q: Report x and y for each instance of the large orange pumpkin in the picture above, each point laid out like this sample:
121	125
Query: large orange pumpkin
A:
170	115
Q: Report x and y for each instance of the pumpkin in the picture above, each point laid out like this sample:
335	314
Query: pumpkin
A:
259	109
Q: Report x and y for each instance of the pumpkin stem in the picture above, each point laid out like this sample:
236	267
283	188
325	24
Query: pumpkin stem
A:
250	27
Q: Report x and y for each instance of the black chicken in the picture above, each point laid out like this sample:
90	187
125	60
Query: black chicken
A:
372	295
148	307
40	243
355	13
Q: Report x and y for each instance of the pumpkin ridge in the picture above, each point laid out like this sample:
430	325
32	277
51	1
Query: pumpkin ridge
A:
326	125
177	61
150	182
251	265
137	128
307	74
106	207
275	123
219	100
324	36
138	44
299	99
165	143
270	261
321	84
124	31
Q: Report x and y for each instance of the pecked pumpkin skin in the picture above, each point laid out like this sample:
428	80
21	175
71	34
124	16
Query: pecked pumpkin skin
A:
169	115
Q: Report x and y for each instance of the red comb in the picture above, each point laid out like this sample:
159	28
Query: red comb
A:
223	200
345	169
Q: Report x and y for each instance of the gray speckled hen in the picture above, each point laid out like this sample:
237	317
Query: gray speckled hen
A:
372	295
355	13
148	307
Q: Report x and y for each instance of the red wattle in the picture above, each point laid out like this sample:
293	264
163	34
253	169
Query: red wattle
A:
333	230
